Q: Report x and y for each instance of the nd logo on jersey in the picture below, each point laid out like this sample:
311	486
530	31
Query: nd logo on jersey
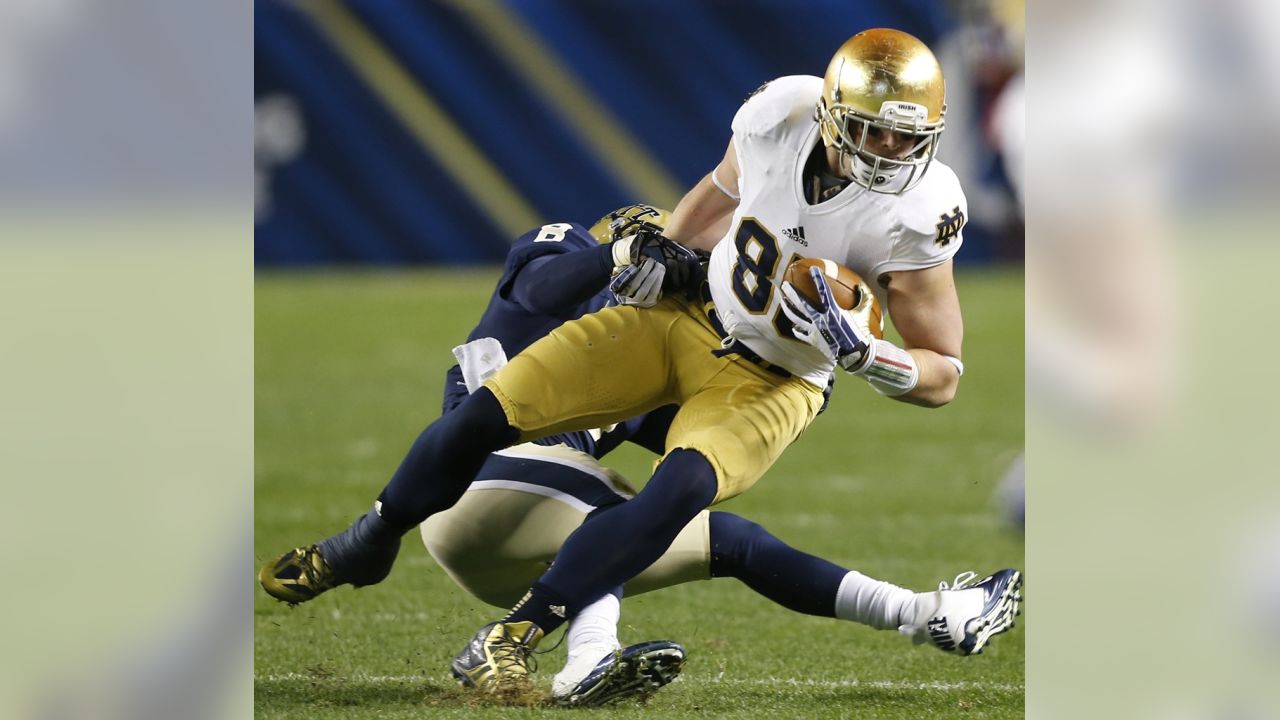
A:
950	227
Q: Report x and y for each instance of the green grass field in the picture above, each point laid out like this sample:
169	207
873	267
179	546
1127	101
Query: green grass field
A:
349	368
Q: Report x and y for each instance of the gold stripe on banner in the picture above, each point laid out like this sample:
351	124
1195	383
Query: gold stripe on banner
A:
627	160
424	117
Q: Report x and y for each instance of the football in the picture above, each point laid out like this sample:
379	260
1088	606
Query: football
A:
848	288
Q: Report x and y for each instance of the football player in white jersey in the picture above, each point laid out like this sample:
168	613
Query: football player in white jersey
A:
841	170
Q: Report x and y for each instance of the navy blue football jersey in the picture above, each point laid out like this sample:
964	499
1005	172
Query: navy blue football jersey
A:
517	327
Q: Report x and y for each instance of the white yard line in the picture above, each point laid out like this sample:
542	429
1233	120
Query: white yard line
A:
881	684
710	679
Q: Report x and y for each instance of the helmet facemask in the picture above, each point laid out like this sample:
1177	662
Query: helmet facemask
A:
882	81
847	129
629	220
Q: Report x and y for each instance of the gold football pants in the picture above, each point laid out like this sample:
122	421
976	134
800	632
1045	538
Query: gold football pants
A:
623	361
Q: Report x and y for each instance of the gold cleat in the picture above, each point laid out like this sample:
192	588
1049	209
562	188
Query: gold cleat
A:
497	658
297	576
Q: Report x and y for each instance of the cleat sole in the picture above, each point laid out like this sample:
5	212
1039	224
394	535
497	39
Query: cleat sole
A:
633	675
1001	617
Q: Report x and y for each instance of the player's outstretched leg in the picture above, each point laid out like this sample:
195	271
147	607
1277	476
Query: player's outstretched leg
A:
963	617
606	551
636	670
960	618
433	475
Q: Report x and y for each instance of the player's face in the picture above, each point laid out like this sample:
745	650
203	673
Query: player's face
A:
888	143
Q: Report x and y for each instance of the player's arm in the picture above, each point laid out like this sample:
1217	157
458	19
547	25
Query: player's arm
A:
704	213
926	312
558	283
637	269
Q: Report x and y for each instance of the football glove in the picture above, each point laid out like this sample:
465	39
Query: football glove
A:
825	326
827	392
640	284
683	267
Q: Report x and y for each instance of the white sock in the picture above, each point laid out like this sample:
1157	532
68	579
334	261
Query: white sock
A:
881	605
596	624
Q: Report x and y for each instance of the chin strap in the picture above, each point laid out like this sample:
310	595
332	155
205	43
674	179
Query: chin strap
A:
869	174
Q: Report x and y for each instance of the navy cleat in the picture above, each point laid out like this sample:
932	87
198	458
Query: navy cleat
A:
962	618
637	670
352	557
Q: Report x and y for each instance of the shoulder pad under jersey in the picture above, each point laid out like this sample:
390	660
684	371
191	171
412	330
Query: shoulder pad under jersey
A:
931	218
778	102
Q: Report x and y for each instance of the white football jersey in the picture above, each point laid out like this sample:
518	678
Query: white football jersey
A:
871	233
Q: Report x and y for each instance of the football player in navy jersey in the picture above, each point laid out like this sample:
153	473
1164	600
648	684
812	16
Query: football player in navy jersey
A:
554	273
503	532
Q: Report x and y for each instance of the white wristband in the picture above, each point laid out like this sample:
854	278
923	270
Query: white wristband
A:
622	252
716	181
892	370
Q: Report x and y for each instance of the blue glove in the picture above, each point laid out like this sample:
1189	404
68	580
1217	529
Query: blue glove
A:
825	325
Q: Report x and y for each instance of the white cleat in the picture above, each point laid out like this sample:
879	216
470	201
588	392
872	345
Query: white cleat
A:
637	670
580	663
963	618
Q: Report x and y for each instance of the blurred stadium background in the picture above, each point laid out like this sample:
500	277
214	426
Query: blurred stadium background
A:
402	131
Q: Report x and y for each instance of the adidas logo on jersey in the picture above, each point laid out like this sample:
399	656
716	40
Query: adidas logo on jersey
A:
796	234
941	637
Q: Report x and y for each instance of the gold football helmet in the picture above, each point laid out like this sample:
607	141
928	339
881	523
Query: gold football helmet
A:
883	81
627	220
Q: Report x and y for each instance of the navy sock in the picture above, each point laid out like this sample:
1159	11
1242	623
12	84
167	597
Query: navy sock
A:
444	460
619	543
795	580
545	607
364	553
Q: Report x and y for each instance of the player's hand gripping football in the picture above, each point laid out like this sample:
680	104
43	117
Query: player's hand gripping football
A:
681	267
825	326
